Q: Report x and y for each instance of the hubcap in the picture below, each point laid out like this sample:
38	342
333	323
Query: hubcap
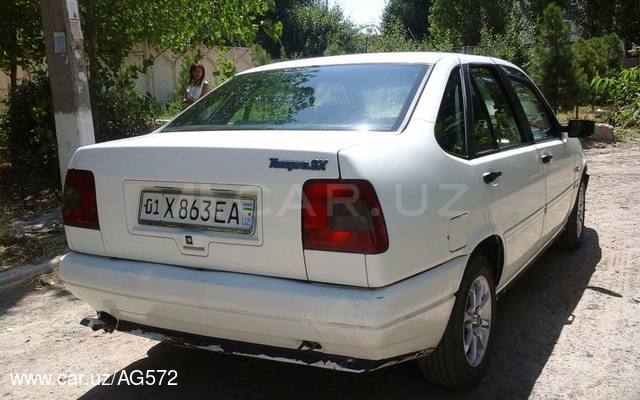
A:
580	213
477	321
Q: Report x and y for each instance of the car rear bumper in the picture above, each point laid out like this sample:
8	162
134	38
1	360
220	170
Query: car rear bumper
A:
174	303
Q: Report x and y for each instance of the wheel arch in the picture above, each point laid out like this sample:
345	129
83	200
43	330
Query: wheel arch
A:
492	248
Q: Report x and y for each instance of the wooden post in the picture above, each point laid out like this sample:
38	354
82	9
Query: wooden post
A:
67	77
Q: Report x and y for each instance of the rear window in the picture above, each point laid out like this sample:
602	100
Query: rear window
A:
372	97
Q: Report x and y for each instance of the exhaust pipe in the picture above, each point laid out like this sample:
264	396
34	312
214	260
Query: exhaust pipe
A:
104	321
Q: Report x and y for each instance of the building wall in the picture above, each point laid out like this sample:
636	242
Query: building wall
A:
5	82
161	80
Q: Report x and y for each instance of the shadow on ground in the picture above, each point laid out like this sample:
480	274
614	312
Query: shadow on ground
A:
531	316
10	297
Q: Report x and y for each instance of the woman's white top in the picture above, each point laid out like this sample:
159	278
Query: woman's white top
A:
195	91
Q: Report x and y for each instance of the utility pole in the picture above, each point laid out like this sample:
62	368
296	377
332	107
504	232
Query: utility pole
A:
67	77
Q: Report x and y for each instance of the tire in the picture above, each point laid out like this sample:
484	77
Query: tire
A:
451	364
571	237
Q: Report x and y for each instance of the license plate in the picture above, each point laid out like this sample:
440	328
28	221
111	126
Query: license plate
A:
222	212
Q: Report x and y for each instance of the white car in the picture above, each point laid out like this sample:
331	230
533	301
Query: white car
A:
346	212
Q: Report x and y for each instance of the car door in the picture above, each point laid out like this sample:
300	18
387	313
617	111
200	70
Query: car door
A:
509	166
552	147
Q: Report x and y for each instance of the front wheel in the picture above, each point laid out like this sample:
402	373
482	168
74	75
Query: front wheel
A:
461	356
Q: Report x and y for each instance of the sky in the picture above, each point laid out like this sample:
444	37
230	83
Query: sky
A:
361	11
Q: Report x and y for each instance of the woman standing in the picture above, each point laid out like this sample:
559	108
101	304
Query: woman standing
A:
197	86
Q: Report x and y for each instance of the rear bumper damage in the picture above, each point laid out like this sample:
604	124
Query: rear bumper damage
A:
302	356
328	326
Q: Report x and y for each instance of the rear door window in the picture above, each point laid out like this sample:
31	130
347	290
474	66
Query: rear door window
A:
494	124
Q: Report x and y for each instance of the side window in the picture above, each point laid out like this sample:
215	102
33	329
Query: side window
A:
494	124
534	109
449	127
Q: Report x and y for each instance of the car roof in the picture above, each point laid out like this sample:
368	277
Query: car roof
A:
373	58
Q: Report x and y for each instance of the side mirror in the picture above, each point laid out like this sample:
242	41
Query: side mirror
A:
578	128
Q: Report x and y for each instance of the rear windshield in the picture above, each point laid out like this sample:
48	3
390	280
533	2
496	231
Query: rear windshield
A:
372	97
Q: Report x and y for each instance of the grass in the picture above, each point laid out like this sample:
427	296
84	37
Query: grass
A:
626	134
584	112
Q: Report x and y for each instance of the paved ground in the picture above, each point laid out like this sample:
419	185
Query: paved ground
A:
569	329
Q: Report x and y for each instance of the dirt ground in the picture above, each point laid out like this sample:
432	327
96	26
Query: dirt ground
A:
568	329
24	199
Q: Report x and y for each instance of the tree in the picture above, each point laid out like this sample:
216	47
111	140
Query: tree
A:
312	28
595	17
596	57
601	17
627	22
457	23
412	14
514	44
553	58
454	24
280	12
21	39
112	28
394	38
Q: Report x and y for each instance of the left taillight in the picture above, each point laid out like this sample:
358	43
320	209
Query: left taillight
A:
342	216
79	207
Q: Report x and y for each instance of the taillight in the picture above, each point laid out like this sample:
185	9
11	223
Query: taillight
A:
79	206
342	215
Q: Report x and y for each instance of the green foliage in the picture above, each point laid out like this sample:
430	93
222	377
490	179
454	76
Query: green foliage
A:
395	39
309	27
552	62
124	112
225	69
27	130
177	25
601	17
21	38
260	55
598	56
334	49
622	91
457	23
312	28
627	20
453	24
514	44
412	14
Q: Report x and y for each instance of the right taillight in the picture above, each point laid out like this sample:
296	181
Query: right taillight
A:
344	216
79	205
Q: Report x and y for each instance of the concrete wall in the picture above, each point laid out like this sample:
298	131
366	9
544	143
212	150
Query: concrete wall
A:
161	80
5	82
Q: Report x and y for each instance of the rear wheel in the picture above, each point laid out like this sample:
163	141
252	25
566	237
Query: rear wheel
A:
572	236
461	356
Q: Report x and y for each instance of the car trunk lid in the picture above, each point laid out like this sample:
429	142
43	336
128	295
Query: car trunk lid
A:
269	167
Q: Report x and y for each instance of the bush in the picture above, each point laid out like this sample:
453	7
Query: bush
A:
27	126
122	111
597	56
622	91
27	129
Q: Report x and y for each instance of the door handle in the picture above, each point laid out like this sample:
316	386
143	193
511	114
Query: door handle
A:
546	158
489	177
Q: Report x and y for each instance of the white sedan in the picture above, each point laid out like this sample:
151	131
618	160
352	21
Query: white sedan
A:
346	212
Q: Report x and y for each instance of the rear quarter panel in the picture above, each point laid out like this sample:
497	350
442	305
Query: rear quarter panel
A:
432	201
